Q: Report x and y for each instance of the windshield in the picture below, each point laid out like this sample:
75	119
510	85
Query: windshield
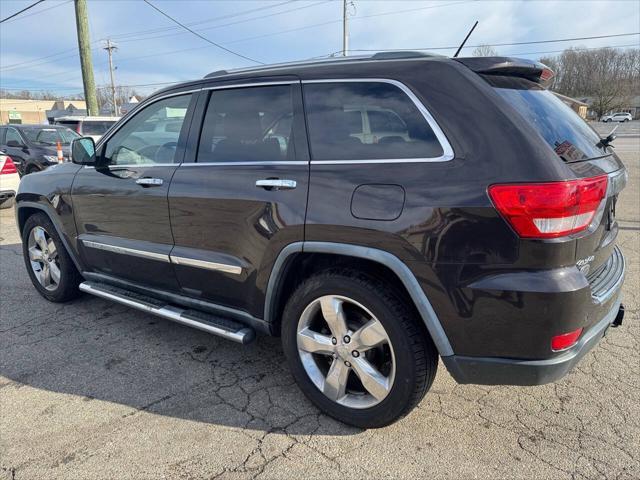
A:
50	136
563	129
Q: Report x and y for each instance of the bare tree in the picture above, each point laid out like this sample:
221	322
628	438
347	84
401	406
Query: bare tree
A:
484	51
607	75
123	94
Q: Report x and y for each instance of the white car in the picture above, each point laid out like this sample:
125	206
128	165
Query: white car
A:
9	181
617	117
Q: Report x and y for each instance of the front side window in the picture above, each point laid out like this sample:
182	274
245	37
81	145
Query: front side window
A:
144	139
252	124
397	128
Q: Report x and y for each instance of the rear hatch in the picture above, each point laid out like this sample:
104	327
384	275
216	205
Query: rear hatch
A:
521	83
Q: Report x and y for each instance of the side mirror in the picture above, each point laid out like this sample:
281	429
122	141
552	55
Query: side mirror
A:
83	151
14	144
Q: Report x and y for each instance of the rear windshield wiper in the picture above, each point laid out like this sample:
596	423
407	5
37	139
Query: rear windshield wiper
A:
606	142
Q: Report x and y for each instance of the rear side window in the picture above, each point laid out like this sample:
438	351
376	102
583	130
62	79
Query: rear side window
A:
95	128
563	130
397	129
252	124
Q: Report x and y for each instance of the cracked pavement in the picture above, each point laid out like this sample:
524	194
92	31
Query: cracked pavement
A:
95	390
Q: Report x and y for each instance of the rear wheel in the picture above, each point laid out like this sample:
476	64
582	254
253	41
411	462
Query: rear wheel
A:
356	348
50	268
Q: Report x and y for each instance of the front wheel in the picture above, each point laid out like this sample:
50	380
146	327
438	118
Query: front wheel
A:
49	266
356	349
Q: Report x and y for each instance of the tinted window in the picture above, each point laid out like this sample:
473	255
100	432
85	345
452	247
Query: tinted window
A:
382	121
141	140
12	134
50	136
3	132
330	108
96	128
566	133
248	125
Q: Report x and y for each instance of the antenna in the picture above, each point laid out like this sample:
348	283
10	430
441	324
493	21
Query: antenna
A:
465	39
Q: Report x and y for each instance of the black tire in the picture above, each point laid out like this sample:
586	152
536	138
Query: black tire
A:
32	169
70	278
415	354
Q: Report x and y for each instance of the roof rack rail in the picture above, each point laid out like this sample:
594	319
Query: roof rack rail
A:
391	55
217	73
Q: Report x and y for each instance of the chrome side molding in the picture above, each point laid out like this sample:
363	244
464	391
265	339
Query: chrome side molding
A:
192	262
176	260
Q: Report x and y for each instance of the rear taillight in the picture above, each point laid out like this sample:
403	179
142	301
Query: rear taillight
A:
566	340
549	210
8	167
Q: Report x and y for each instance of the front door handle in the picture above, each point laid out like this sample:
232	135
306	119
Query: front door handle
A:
276	184
150	182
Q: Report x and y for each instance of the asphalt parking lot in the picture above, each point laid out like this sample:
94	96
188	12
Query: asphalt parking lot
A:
98	391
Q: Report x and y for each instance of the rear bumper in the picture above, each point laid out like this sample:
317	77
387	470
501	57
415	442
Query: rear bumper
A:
506	371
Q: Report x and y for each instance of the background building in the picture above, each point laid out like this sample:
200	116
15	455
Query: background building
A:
38	111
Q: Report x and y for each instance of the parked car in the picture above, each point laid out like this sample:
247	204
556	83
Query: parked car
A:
86	126
617	117
9	181
35	147
483	234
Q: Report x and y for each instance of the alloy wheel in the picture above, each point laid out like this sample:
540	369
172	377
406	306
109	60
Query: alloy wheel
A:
43	256
346	352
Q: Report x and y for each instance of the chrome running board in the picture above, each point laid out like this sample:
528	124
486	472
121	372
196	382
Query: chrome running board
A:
216	325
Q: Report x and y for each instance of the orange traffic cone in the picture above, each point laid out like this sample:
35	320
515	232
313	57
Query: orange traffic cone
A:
59	150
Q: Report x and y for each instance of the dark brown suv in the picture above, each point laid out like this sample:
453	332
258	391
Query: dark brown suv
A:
377	213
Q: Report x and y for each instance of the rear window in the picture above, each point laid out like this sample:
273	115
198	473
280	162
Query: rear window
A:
563	129
335	128
96	128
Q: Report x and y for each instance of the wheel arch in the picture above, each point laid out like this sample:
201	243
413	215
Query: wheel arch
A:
25	210
304	258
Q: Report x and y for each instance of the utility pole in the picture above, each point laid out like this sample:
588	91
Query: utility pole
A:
345	28
109	48
84	46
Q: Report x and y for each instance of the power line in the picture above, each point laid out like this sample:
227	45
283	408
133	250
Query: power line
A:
200	36
501	44
40	11
37	61
237	22
180	81
23	10
200	22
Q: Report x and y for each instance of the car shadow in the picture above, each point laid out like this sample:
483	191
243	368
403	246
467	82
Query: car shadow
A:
98	350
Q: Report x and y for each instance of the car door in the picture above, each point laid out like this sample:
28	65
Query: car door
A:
120	205
244	196
16	147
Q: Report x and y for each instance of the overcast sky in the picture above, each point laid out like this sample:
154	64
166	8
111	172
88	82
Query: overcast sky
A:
152	49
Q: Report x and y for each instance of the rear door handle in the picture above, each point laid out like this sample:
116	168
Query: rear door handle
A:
276	184
150	182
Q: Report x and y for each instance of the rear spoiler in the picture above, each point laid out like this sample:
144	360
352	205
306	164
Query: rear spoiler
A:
510	67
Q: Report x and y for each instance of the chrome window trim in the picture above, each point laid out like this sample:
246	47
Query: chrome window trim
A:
230	164
126	251
251	84
447	151
135	165
218	267
119	124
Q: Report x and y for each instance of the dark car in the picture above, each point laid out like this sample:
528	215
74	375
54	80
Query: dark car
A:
34	147
377	213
